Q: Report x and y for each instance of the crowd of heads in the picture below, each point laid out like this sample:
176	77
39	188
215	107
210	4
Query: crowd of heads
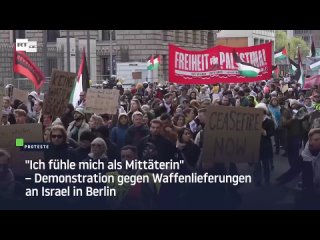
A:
154	119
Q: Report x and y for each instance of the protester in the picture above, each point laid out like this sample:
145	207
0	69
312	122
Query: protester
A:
309	164
84	148
188	150
266	151
82	100
118	132
103	132
46	134
95	122
20	116
140	196
77	126
7	180
165	148
275	112
67	116
136	131
135	106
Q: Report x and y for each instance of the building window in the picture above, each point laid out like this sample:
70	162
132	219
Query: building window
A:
165	67
210	39
194	36
165	35
255	41
52	63
261	41
306	38
202	38
186	36
106	35
177	37
18	34
106	66
52	35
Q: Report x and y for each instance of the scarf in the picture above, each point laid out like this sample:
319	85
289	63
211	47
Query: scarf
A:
310	109
168	107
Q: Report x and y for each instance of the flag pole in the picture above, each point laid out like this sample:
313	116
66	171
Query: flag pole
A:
88	50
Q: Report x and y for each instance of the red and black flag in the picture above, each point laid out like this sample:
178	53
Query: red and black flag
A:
23	65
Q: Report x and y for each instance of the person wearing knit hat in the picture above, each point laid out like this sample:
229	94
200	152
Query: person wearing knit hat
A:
262	106
79	110
266	151
77	126
293	103
274	94
57	121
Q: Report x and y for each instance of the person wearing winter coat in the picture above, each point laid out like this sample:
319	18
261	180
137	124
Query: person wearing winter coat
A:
309	164
266	151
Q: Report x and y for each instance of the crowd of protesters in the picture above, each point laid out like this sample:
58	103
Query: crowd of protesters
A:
167	122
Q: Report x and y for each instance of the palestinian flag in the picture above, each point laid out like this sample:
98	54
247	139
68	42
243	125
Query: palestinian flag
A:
294	66
315	66
300	70
156	62
313	49
281	54
245	69
82	81
275	71
150	63
153	62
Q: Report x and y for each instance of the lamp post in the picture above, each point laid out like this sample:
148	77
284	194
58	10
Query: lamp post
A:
88	51
68	50
110	33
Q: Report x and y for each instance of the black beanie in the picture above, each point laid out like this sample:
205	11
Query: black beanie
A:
87	135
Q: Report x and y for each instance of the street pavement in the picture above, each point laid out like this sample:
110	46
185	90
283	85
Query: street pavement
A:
272	196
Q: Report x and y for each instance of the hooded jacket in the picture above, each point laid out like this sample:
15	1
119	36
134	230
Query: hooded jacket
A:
118	132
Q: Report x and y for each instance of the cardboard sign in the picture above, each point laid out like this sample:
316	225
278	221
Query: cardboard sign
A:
20	94
2	94
58	95
284	88
232	134
101	101
30	133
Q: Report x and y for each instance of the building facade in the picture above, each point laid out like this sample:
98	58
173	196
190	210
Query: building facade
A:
245	38
122	45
